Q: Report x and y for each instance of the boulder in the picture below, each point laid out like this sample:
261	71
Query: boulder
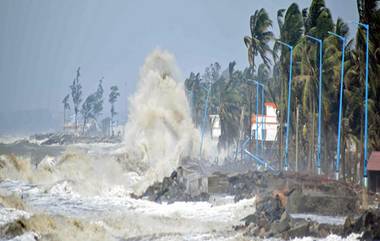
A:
309	201
281	225
299	230
368	223
170	190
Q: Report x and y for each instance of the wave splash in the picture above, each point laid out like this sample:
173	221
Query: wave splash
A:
160	132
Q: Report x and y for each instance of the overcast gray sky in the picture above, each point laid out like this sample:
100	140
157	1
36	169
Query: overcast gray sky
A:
42	42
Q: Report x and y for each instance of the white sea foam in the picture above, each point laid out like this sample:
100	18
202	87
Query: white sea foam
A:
160	130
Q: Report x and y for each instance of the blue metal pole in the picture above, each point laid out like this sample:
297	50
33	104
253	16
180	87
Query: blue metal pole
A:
257	118
365	179
262	120
204	120
365	161
318	161
343	40
288	117
289	97
320	109
366	108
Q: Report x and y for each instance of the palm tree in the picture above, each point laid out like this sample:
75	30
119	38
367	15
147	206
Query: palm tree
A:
196	96
291	29
258	42
66	106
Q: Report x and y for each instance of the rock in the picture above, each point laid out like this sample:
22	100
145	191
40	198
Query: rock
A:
299	230
170	190
252	218
323	230
281	225
334	204
13	229
368	223
270	218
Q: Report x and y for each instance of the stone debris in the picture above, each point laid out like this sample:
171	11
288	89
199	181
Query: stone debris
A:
172	189
368	224
272	220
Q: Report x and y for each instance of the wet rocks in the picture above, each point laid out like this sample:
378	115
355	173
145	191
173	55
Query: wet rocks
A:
302	200
272	220
368	223
61	138
303	194
249	184
170	190
58	138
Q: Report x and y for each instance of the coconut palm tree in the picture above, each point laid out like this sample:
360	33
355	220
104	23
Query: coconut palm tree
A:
66	107
258	42
291	30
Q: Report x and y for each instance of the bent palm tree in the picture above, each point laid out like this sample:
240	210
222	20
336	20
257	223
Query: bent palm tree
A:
258	42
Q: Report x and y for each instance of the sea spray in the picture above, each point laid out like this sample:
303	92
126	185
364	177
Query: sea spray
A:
159	136
160	132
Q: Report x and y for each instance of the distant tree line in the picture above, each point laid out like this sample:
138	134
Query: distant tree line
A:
91	108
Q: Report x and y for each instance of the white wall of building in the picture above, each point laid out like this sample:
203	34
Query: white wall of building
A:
216	130
267	123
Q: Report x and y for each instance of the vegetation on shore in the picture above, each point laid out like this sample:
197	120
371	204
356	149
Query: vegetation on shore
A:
92	106
233	93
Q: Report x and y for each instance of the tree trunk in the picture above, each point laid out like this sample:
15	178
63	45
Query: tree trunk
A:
326	151
356	161
344	162
361	169
84	124
312	149
64	118
297	120
250	120
349	161
281	113
112	120
240	132
343	153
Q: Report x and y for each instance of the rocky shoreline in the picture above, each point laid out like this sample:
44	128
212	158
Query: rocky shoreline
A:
278	197
65	139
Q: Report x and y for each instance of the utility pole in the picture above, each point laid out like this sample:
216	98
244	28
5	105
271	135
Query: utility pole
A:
365	178
286	163
318	160
343	41
297	116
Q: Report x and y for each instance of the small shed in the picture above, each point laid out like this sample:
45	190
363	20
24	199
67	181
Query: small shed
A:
373	168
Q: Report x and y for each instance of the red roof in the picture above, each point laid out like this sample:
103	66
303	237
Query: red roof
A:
374	161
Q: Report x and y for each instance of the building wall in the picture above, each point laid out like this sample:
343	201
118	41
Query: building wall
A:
216	130
374	181
268	123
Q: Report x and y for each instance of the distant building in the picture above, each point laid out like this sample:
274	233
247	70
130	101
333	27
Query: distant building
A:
373	168
216	130
266	126
118	129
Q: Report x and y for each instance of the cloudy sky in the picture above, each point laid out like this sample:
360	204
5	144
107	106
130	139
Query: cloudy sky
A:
42	42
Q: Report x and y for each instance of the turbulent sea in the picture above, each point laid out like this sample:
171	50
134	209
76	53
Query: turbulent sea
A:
83	191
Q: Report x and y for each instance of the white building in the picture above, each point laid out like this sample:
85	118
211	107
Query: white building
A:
265	124
216	130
